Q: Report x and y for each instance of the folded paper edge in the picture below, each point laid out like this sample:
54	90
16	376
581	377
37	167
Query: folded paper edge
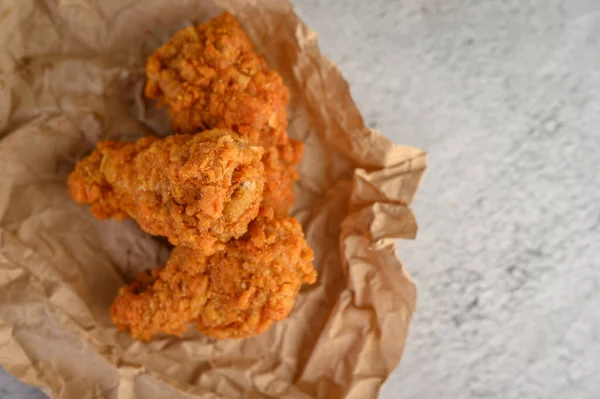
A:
381	151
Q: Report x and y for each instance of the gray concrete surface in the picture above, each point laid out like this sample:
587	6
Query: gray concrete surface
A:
505	96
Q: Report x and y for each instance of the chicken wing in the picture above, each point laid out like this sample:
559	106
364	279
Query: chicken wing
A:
235	293
210	76
197	190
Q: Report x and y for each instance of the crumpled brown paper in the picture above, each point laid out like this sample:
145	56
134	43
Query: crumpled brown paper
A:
71	73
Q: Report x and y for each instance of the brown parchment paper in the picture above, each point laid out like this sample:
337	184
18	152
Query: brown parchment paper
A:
71	73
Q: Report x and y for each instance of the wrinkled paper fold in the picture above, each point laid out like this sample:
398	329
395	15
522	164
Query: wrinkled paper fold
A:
72	73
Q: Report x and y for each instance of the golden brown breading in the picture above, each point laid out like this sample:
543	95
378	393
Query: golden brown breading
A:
235	293
197	190
210	76
280	171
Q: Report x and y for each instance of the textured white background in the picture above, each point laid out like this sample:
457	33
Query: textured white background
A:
505	96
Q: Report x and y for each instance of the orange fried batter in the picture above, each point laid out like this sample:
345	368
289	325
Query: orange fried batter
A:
236	293
197	190
210	76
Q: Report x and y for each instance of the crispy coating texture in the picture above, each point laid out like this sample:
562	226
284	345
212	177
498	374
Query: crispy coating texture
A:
236	293
210	76
197	190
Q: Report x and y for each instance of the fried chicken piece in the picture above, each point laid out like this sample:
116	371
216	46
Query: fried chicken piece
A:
280	171
210	76
197	190
235	293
